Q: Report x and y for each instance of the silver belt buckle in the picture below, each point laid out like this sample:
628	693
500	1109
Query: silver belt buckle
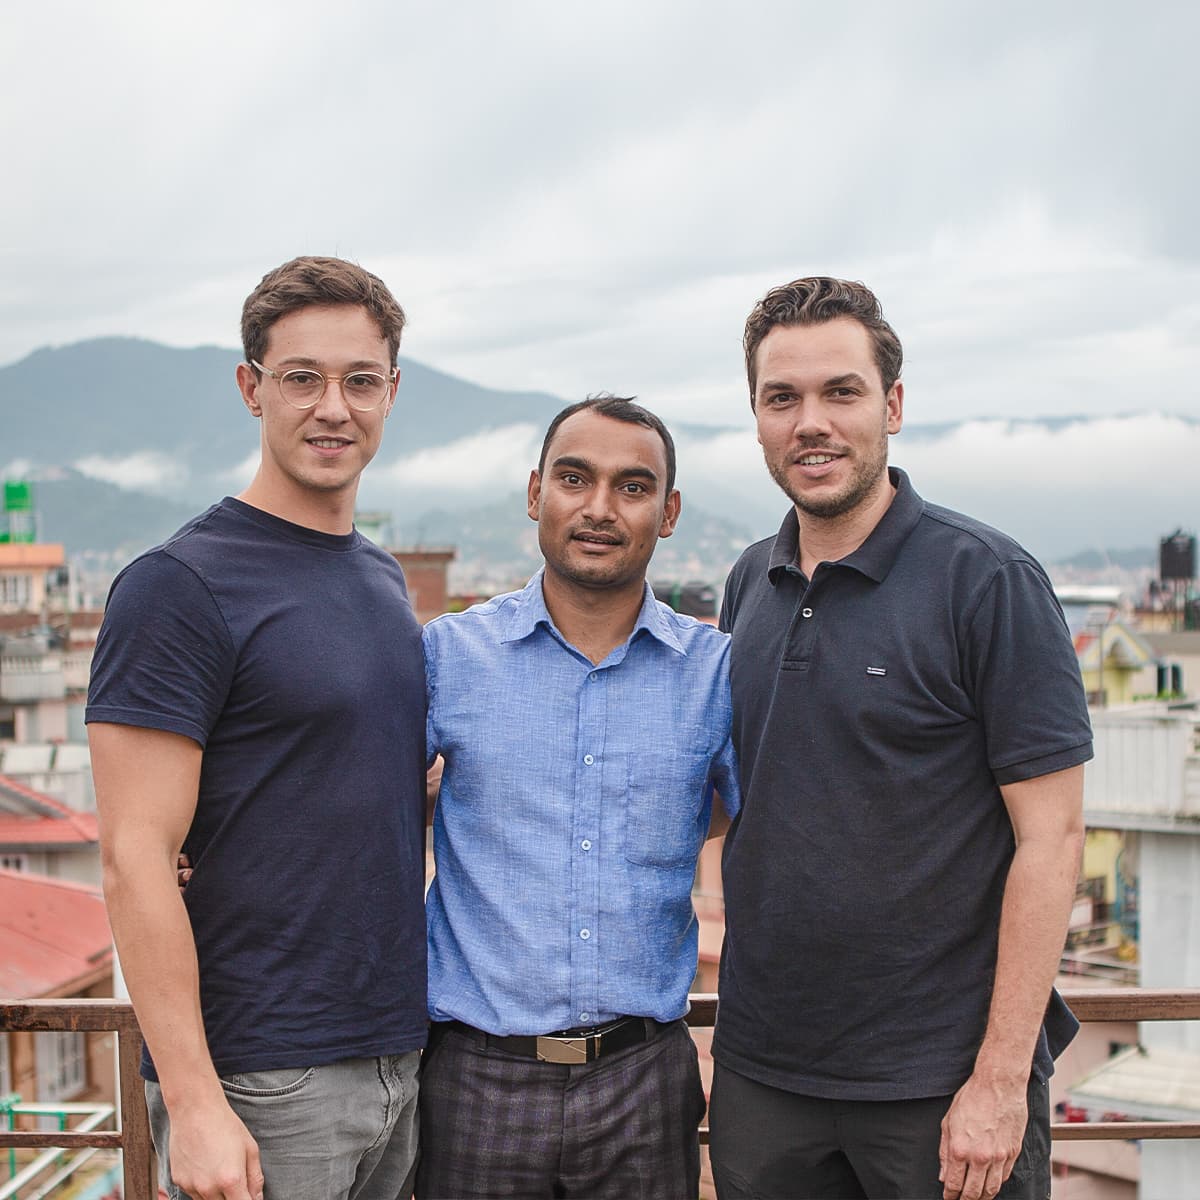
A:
569	1051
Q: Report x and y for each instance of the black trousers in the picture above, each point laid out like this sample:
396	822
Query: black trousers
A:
769	1144
621	1128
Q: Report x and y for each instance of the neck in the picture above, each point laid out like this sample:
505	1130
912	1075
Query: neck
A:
326	512
828	539
595	621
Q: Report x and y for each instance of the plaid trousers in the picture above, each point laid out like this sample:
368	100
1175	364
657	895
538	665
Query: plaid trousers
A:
621	1128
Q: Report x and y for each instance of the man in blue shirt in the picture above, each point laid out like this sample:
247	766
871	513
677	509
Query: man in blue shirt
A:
583	726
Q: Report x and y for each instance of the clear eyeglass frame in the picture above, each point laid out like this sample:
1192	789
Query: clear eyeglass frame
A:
372	393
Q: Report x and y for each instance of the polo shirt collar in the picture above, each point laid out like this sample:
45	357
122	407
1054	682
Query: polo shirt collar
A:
530	611
874	558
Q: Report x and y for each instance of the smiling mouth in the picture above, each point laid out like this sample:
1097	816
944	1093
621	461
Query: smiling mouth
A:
328	443
816	460
592	538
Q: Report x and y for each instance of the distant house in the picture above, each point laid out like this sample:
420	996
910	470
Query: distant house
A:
54	943
425	570
1178	653
41	835
29	575
1113	659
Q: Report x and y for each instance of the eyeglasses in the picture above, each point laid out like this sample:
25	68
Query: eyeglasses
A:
303	387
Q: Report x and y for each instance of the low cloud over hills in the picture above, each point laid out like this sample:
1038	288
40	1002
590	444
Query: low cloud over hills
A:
129	437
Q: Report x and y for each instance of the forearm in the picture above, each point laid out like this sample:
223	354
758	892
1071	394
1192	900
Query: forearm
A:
1038	896
158	960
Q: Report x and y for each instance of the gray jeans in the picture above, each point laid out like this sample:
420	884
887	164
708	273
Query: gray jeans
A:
343	1131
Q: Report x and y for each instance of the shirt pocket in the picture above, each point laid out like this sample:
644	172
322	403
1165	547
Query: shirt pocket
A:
664	809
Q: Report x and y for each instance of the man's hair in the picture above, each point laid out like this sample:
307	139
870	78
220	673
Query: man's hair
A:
620	408
310	280
814	301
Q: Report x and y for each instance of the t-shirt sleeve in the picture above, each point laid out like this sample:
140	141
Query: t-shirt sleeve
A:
164	657
1026	678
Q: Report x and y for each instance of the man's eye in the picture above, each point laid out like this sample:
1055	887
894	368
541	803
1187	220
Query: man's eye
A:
635	489
571	478
303	379
364	382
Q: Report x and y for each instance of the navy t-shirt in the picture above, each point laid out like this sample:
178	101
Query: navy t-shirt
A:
294	659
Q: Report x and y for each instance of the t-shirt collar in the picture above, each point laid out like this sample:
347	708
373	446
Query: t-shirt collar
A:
874	558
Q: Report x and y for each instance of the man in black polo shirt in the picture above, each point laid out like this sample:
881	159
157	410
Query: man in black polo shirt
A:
911	726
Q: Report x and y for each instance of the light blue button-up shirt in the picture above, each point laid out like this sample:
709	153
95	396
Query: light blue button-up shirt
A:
574	802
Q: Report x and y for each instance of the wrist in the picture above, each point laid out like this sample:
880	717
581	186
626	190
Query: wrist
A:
1002	1072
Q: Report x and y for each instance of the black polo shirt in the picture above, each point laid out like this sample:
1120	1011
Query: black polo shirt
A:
877	709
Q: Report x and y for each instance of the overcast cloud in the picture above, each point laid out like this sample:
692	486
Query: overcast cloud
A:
579	198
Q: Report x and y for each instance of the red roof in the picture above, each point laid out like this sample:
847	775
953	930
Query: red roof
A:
54	936
30	819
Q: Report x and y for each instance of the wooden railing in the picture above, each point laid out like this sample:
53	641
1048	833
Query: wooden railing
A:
1099	1004
1088	1004
94	1016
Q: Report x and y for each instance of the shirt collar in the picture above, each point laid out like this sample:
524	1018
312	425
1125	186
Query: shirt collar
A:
530	611
874	558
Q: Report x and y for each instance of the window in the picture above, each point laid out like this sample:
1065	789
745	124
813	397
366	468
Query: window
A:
14	862
16	591
61	1065
5	1072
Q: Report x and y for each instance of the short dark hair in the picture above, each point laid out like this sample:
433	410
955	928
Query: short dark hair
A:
813	301
311	280
620	408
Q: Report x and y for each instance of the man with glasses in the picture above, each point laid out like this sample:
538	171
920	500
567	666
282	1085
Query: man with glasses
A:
257	696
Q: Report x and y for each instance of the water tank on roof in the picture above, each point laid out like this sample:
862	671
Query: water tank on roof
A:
1177	556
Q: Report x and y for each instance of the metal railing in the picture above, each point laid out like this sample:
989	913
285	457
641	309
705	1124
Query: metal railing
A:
133	1138
1088	1004
1099	1004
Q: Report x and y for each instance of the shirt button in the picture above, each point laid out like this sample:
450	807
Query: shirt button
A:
588	759
585	934
585	1016
806	612
593	676
586	844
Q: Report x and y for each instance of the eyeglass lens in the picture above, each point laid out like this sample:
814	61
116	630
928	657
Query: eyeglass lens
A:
364	390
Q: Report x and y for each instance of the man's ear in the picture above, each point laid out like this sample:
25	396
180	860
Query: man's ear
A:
390	402
534	494
248	384
895	407
670	514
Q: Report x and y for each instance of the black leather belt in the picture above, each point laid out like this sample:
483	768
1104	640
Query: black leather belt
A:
570	1046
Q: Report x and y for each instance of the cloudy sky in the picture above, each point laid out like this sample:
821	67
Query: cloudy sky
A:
578	198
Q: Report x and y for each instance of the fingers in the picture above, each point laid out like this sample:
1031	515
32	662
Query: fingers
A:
962	1180
254	1174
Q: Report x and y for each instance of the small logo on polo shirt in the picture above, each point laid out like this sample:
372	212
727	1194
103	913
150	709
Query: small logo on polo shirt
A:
877	670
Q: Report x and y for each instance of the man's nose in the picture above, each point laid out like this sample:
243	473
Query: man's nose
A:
332	406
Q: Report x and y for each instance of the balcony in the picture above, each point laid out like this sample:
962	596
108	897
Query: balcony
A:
1146	773
23	680
133	1138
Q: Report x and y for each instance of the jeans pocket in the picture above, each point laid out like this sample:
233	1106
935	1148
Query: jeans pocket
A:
284	1081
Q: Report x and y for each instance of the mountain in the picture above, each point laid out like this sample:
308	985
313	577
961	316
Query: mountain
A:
128	437
89	514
